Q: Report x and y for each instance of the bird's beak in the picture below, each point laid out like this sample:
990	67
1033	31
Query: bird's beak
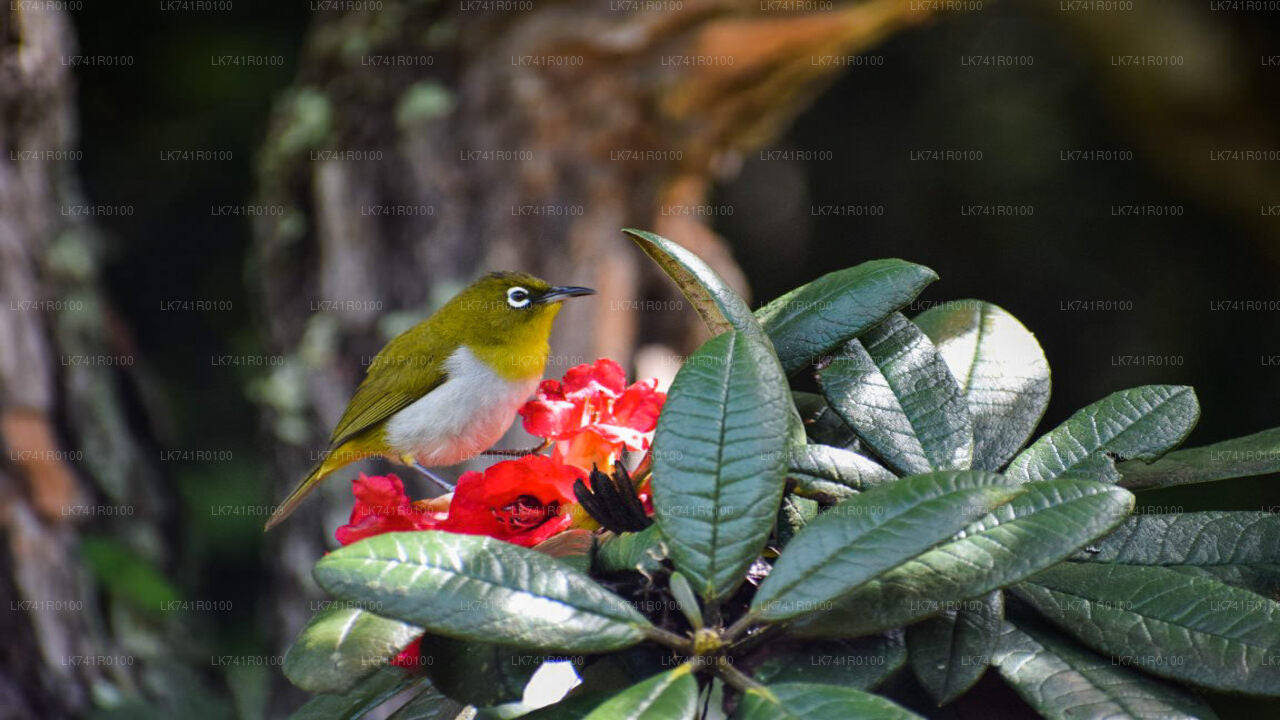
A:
556	294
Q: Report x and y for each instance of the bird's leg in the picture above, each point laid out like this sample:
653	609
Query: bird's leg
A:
412	461
519	453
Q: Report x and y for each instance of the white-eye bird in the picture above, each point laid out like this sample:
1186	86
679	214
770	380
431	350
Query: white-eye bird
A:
448	388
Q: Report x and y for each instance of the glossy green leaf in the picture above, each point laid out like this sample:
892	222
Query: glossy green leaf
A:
364	697
862	663
823	424
720	308
811	701
430	704
1064	681
834	472
641	551
1035	530
894	389
872	533
672	694
1186	627
578	705
1144	422
794	513
477	673
477	588
1257	454
1000	369
820	316
720	456
950	651
687	602
717	304
1238	548
341	646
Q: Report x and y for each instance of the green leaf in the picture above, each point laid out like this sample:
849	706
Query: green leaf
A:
341	646
477	588
1000	369
1186	627
834	472
862	663
641	551
823	424
811	701
672	694
893	388
816	318
369	694
1144	422
717	304
1239	548
950	651
430	704
1035	530
720	461
576	706
1257	454
682	593
872	533
1064	681
477	673
793	515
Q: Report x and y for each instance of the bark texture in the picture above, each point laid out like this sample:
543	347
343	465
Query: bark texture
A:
68	394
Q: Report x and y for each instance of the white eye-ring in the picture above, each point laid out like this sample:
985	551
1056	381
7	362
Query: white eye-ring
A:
518	297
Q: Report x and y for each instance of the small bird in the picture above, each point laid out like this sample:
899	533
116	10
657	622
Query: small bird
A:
447	388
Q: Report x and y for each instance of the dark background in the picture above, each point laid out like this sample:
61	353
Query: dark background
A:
1168	270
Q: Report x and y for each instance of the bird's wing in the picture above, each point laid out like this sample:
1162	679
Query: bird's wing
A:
405	370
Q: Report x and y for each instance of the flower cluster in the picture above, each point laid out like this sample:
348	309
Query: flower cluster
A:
591	415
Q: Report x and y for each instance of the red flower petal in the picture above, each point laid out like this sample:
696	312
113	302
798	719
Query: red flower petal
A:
605	376
381	507
639	406
521	501
552	419
589	448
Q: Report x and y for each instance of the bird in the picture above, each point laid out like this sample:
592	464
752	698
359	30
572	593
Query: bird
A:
447	388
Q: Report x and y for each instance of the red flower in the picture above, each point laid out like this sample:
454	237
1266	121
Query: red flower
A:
522	501
409	656
382	507
593	416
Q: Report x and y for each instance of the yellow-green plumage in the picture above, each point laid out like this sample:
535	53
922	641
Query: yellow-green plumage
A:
480	354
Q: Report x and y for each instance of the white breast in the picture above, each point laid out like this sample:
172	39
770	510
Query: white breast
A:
464	416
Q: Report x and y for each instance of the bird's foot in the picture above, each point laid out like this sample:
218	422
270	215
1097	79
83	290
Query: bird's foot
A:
439	482
518	453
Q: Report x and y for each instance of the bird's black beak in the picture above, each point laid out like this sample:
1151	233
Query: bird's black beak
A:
556	294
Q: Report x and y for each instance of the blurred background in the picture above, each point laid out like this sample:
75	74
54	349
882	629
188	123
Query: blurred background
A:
212	214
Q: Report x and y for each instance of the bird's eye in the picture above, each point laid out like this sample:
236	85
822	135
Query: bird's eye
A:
517	297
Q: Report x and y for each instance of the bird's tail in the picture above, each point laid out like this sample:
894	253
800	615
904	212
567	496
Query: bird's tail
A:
333	461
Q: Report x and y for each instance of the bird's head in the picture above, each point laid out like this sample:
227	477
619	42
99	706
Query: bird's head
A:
510	309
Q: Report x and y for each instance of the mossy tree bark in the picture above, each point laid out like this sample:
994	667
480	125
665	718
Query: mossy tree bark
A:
72	416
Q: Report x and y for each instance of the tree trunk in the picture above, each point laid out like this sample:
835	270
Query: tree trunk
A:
67	380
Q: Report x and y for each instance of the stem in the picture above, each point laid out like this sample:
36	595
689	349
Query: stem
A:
752	641
668	638
738	627
737	679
